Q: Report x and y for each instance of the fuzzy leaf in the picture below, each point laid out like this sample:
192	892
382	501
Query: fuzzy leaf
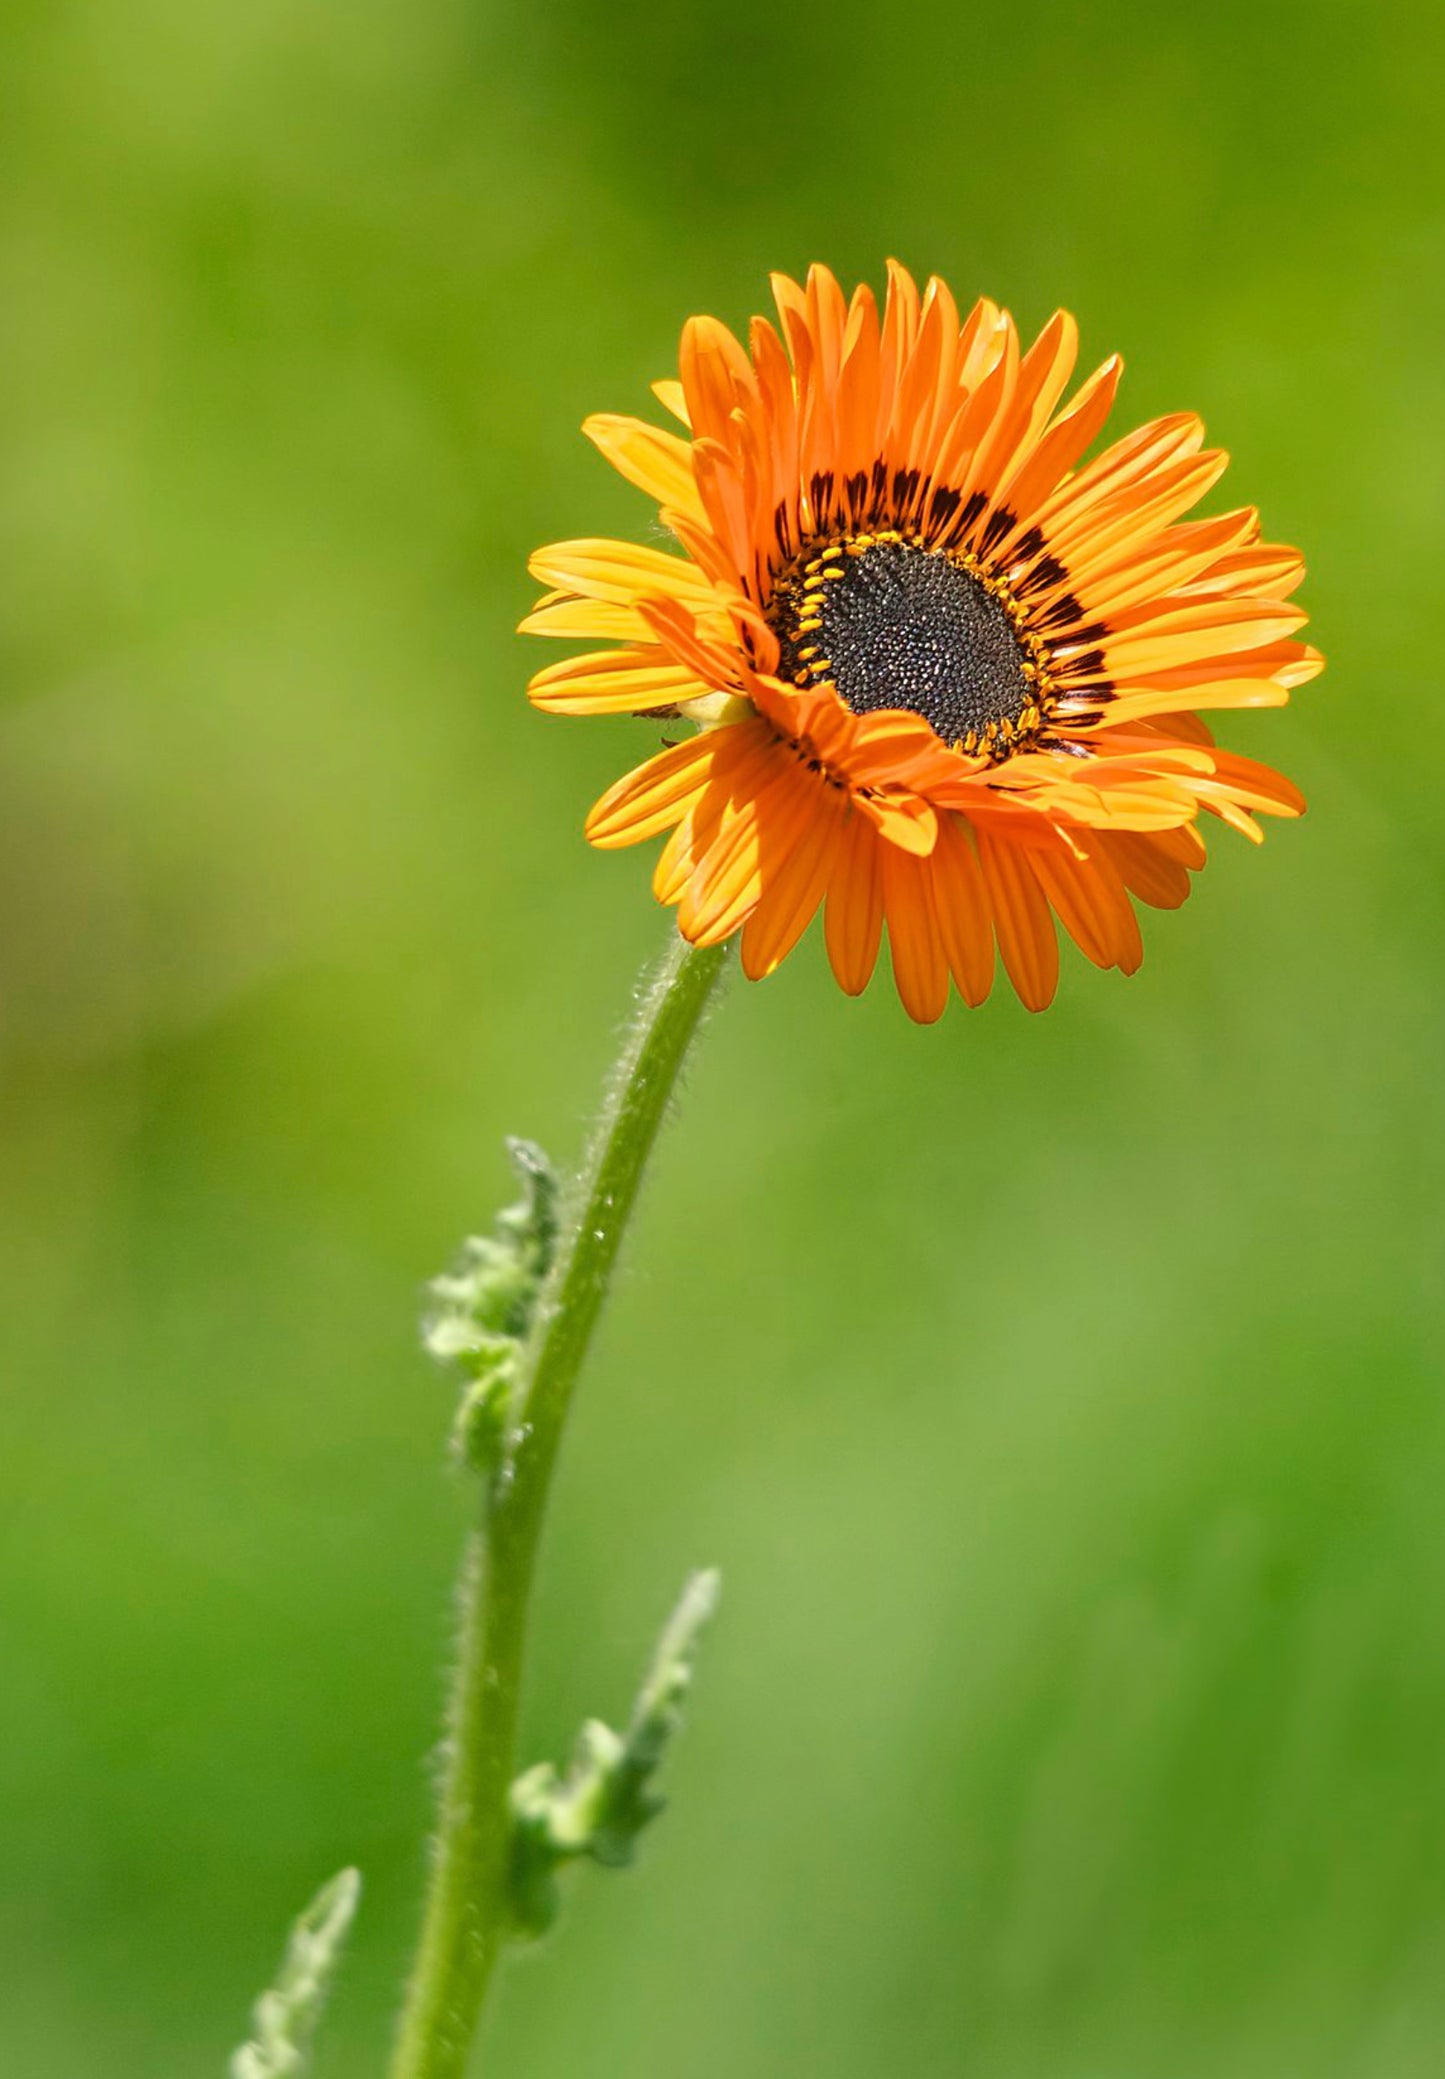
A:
600	1806
481	1312
285	2018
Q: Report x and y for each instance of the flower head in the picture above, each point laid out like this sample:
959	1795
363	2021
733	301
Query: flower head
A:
946	672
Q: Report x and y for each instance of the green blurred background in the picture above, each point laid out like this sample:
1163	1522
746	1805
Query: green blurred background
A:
1061	1397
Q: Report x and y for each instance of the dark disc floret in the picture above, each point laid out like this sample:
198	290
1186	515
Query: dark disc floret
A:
895	625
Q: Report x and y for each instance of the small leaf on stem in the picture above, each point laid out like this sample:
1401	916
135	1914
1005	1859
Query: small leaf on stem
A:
607	1796
482	1312
285	2018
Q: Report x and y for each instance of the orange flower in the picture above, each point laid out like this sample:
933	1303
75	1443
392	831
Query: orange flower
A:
945	672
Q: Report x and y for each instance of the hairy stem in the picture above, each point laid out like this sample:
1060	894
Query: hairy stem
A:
467	1909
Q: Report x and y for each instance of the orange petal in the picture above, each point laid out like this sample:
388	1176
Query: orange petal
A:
853	918
1226	693
1101	536
1133	460
606	682
621	571
567	617
675	628
714	369
1256	786
1021	918
1037	473
1145	868
1092	905
658	794
1145	579
657	462
678	859
1263	569
747	770
1214	628
728	880
1043	373
919	968
669	394
965	921
903	819
800	844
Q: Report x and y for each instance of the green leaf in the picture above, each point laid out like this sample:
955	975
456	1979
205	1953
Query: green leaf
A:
482	1311
607	1796
285	2018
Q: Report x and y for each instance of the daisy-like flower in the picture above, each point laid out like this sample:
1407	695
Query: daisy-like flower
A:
945	671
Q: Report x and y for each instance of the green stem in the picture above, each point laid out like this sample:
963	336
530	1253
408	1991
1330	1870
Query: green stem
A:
465	1923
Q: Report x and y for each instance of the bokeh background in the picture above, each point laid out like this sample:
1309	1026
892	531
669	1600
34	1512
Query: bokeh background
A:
1062	1397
